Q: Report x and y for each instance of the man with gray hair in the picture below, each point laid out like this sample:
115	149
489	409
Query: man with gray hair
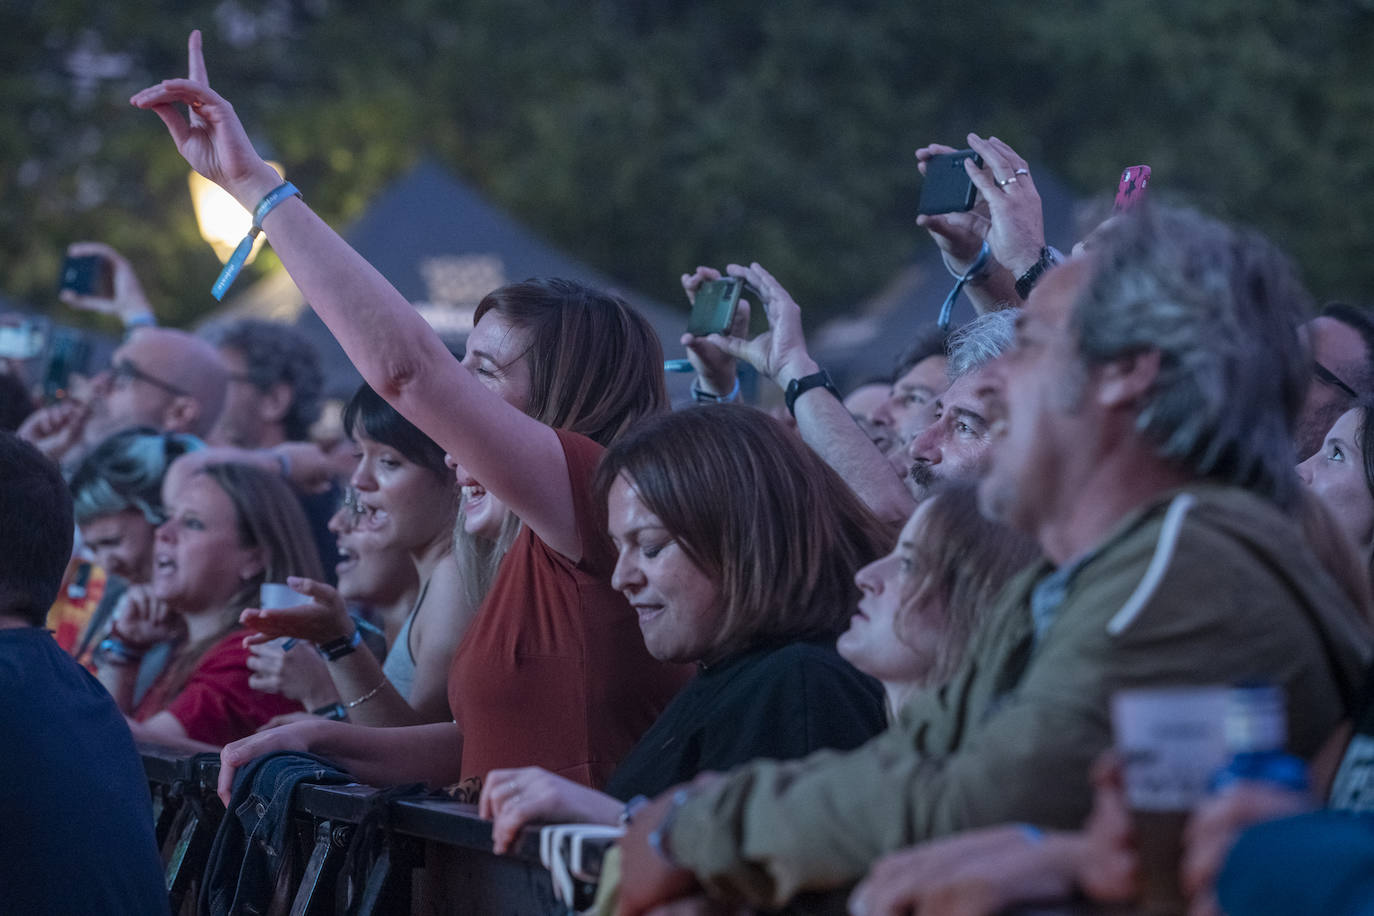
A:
955	445
1141	432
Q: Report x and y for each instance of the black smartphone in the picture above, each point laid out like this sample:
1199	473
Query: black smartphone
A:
947	188
88	275
713	309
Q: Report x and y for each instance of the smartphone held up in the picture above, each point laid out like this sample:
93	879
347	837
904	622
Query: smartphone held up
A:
88	275
1130	191
715	304
947	188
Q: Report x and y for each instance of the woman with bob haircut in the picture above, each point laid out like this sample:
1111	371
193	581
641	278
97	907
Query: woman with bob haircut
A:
923	601
552	670
737	548
405	496
229	529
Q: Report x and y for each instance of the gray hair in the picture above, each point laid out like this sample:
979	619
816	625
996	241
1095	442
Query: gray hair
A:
1222	308
974	345
125	472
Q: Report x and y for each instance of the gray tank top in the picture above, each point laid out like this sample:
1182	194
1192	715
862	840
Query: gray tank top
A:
399	666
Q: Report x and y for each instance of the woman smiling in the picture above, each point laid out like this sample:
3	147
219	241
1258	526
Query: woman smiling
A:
736	546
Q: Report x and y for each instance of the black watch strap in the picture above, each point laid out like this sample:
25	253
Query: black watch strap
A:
800	386
336	649
1026	282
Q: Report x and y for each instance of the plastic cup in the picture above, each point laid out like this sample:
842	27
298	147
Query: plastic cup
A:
1172	741
277	595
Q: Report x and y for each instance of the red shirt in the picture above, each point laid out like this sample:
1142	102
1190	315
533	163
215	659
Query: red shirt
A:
216	705
553	672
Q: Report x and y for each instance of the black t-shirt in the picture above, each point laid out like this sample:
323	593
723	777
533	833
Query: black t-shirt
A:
777	702
76	819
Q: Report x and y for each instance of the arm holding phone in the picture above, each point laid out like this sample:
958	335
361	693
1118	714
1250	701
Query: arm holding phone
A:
1007	214
824	423
124	297
716	369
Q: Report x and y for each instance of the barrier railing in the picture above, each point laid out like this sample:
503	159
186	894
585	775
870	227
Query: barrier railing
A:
435	854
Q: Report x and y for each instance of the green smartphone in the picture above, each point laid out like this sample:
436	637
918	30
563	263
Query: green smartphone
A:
713	309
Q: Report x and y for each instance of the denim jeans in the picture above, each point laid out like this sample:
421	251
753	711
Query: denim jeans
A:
251	842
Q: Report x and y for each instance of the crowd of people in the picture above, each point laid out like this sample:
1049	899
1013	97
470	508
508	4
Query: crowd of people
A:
870	651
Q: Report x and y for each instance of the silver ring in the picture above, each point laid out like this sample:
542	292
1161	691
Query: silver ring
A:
1010	180
1022	172
1003	182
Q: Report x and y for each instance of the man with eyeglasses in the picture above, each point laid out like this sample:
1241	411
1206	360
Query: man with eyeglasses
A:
1341	340
161	378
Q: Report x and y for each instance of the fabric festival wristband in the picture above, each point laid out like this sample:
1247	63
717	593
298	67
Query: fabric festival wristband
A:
230	273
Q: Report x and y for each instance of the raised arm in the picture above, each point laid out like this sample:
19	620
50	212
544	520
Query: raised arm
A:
1008	216
823	421
401	357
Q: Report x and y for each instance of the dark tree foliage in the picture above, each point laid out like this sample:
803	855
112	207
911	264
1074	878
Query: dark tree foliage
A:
648	136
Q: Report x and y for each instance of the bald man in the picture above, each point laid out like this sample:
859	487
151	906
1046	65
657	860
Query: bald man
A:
166	379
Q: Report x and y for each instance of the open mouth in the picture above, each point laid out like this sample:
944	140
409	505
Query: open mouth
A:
347	560
472	497
371	516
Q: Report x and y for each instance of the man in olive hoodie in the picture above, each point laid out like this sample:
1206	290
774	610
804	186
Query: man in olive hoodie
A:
1143	438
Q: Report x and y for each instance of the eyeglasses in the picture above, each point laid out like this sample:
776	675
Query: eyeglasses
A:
126	371
1326	375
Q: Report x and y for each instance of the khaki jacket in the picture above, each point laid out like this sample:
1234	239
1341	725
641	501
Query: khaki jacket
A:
1208	585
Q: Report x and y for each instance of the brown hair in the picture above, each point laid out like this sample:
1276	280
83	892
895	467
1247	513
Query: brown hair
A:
270	517
596	365
968	559
757	512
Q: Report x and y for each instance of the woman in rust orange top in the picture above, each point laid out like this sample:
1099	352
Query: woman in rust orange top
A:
553	372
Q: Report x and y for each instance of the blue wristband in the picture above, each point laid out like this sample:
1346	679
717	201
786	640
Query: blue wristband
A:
230	273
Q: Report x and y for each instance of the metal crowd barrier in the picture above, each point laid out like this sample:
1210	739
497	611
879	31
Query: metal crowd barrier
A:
435	858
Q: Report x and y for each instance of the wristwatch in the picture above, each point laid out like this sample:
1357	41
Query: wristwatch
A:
800	386
1026	282
336	649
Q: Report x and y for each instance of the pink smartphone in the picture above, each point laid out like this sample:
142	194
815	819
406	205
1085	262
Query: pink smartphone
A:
1131	189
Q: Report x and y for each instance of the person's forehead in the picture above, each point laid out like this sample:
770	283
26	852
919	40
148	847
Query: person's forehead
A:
928	373
149	351
495	335
1346	427
194	491
866	398
627	508
106	526
968	392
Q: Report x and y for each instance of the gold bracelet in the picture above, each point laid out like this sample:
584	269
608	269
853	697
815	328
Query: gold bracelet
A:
367	696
